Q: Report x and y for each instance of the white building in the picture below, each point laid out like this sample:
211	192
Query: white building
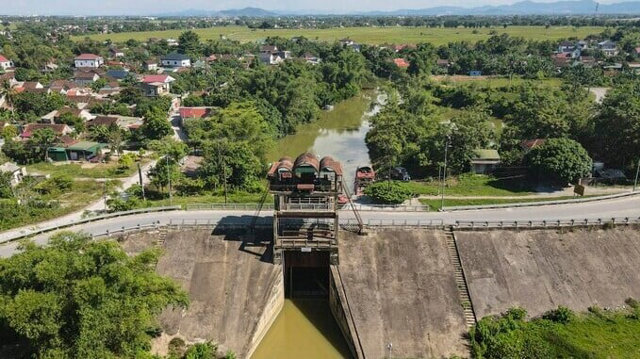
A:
5	63
89	60
176	60
17	172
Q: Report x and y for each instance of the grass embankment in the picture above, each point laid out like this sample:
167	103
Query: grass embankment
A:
560	334
80	195
184	201
75	170
435	203
474	185
367	35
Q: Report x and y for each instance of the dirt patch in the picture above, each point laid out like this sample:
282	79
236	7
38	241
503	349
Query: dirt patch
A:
401	290
540	270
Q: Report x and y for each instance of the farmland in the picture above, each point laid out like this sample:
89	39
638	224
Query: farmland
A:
368	35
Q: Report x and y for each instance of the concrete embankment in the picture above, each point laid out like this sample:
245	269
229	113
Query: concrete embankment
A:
402	294
542	269
235	290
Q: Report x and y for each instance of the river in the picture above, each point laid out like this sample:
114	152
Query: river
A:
339	133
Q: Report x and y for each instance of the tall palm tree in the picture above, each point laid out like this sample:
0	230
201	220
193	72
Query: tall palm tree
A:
9	94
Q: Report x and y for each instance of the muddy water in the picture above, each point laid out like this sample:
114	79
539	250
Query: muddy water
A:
304	329
339	133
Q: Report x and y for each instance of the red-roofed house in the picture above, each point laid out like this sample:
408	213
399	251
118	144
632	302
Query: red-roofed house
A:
58	129
401	63
528	145
88	60
156	85
5	63
194	112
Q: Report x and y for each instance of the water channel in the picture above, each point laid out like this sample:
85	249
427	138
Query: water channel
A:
305	328
338	133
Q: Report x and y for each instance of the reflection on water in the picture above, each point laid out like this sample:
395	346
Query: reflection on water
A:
304	329
339	133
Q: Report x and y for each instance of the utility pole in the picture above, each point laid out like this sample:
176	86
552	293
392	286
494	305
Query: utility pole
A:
635	182
141	182
169	178
444	174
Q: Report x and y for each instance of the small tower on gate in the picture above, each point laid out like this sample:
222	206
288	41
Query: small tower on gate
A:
305	217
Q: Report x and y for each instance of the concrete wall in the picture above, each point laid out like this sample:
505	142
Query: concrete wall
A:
342	313
542	269
235	291
401	290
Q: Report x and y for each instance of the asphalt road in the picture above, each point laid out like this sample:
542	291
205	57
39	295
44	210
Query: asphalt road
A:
606	209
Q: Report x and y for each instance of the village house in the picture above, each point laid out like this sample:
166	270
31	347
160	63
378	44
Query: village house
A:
484	161
115	53
5	63
175	60
156	85
194	113
270	55
55	115
88	60
58	129
608	47
31	87
311	59
401	63
17	173
117	74
85	78
350	44
150	65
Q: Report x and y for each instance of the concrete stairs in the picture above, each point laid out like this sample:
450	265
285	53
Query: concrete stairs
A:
461	283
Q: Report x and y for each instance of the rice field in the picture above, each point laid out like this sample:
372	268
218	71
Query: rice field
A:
367	35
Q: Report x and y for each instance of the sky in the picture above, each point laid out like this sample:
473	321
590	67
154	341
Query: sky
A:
150	7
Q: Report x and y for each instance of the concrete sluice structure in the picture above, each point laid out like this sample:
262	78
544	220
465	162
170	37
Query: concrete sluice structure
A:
394	292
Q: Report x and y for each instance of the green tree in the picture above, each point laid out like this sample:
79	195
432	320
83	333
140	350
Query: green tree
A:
156	125
189	44
40	142
82	298
560	160
6	190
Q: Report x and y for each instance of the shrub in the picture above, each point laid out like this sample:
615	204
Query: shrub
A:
201	351
561	315
388	192
560	160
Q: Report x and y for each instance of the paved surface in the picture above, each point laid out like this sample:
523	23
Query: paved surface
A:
401	290
540	270
228	286
620	207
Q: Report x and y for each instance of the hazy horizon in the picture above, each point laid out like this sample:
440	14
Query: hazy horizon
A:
153	7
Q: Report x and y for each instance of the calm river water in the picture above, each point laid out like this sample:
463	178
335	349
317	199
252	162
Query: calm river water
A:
338	133
304	329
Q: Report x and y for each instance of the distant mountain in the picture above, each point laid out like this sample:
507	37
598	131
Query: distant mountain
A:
579	7
248	11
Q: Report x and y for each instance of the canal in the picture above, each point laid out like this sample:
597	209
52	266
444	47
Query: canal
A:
305	328
339	133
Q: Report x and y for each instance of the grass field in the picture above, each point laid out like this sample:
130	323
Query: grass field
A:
368	35
435	203
474	185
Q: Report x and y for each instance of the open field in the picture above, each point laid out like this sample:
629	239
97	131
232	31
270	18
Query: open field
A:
368	35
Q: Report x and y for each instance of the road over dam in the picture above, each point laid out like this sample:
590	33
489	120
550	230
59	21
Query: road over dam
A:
605	209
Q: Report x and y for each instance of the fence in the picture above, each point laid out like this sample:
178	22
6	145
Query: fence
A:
89	220
269	207
570	223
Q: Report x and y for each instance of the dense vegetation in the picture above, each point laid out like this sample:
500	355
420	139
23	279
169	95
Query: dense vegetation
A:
559	333
79	298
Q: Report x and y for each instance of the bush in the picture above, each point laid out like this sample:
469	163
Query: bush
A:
389	192
561	315
201	351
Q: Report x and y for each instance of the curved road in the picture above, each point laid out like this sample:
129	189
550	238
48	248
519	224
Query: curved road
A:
606	209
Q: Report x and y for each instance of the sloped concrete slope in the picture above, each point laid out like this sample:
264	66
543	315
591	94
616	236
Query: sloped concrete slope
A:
401	291
230	289
542	269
